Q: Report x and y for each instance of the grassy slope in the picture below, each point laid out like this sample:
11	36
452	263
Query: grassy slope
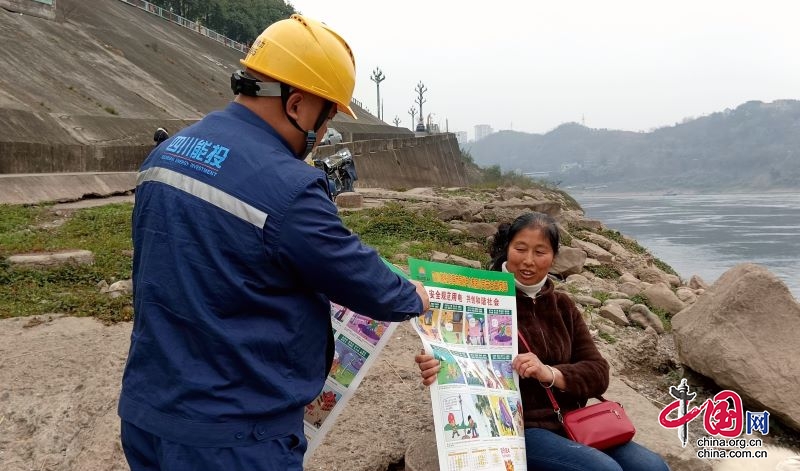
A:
70	289
106	230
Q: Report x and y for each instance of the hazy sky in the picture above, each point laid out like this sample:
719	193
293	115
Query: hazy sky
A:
532	65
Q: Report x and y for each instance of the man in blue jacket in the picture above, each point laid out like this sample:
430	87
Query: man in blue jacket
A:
237	252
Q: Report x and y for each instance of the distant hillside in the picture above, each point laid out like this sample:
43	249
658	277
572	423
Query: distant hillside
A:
753	147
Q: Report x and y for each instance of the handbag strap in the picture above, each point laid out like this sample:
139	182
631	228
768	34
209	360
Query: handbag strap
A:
556	407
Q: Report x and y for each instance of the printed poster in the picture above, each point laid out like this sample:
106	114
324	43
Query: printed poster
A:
357	341
471	328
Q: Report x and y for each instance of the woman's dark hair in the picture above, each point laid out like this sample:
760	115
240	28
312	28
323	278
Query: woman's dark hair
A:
506	233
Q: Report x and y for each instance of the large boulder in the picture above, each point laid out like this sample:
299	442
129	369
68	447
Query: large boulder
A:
662	297
593	250
630	289
743	334
442	257
481	230
615	314
695	282
642	316
607	244
624	303
686	295
652	275
569	261
350	199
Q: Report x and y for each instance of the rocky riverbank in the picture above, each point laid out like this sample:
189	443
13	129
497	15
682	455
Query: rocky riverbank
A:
61	374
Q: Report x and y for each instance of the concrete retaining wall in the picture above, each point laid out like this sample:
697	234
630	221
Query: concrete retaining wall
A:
390	163
34	189
406	162
30	157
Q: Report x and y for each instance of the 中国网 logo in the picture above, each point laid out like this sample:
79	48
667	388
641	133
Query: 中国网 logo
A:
723	415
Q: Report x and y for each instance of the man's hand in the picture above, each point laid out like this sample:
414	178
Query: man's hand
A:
423	296
428	366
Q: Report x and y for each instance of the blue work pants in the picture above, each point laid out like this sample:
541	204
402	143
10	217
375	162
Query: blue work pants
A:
147	452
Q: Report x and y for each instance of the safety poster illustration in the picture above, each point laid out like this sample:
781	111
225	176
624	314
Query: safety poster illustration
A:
471	329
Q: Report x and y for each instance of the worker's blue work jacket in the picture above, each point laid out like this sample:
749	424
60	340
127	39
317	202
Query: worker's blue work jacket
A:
237	252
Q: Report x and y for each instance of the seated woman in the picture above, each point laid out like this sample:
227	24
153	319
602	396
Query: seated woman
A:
563	357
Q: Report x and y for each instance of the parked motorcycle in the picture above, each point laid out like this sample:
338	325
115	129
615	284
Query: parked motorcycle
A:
340	168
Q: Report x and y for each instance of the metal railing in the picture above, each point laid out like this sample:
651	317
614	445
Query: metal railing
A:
188	24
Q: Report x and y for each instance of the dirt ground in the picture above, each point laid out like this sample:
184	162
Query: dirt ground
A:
60	379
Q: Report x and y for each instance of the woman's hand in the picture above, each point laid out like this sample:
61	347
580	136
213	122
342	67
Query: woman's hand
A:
428	366
528	365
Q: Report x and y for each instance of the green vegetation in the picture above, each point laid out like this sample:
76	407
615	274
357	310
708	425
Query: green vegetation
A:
572	289
606	272
110	110
393	229
633	246
617	237
565	239
493	177
105	231
607	337
664	267
466	157
240	20
70	289
673	376
662	314
601	296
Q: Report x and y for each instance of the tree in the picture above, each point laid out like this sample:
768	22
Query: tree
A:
240	20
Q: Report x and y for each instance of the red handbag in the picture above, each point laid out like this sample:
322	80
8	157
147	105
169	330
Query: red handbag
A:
602	425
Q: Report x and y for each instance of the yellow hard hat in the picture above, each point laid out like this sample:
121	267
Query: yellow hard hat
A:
307	55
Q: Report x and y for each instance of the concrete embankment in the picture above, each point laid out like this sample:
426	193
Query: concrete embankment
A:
83	91
389	163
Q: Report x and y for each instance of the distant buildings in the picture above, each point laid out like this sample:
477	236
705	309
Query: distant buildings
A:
482	130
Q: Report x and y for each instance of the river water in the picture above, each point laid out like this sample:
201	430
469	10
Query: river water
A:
708	234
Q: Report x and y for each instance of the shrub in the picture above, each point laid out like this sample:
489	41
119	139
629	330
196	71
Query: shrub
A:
606	272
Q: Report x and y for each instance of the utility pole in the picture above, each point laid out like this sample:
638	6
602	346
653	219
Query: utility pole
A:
420	89
413	112
397	120
378	77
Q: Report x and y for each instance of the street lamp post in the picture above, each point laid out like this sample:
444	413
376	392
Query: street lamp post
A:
420	89
378	77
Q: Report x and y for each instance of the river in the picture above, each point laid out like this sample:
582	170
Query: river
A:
708	234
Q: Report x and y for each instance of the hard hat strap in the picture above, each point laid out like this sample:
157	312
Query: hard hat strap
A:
244	83
311	134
